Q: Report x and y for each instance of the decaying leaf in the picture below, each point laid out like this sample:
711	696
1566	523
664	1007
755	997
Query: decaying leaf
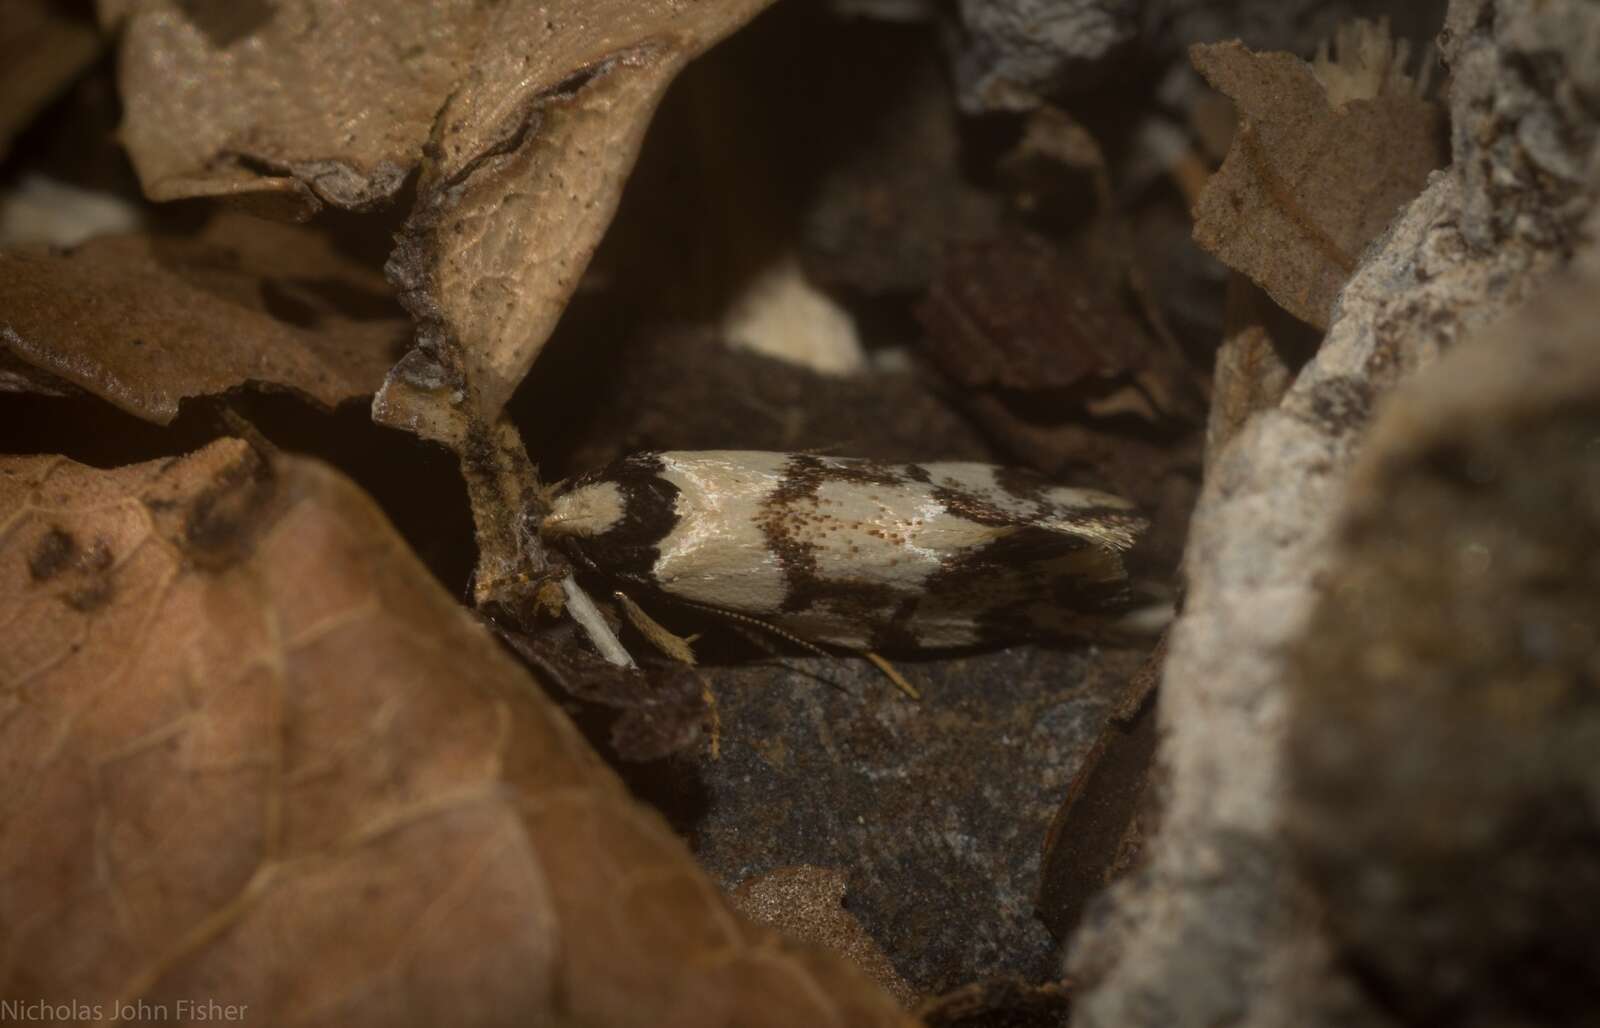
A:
145	321
530	116
1262	349
254	754
526	170
1014	313
43	44
806	903
1322	160
524	119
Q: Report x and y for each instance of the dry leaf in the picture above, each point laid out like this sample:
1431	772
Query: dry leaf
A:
145	321
1313	177
525	117
308	102
527	168
253	755
1262	349
1015	313
43	46
807	903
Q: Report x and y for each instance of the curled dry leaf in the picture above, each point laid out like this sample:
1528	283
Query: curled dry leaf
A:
253	753
1315	174
145	321
526	169
525	118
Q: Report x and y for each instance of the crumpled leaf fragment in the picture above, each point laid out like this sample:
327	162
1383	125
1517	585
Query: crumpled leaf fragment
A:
806	903
526	167
524	117
1319	166
1014	313
144	321
309	102
251	752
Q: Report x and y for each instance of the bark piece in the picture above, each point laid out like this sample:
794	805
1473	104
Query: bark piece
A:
1016	51
1216	927
1319	166
1442	752
1524	130
805	903
145	321
1100	828
253	753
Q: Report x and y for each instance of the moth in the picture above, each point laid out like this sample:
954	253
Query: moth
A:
855	553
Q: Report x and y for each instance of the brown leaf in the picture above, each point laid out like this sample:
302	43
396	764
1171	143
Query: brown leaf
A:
43	46
528	166
806	903
525	118
1014	313
1262	349
1310	180
253	753
145	321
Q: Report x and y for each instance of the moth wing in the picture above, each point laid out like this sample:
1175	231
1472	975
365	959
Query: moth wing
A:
1008	498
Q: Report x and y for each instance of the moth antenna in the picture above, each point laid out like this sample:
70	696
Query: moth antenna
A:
889	670
810	647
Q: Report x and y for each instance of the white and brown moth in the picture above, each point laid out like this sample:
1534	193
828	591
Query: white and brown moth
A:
855	553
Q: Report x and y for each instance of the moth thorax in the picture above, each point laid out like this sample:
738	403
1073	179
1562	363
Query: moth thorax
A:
587	511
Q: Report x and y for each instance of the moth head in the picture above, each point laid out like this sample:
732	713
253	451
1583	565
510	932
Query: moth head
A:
613	520
585	511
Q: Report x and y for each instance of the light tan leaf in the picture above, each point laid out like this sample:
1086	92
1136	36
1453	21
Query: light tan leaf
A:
145	321
525	117
1312	178
252	754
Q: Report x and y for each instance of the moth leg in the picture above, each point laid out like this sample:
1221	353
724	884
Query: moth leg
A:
713	714
892	674
587	615
674	646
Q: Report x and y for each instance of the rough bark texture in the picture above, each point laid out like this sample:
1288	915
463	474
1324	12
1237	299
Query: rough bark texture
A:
1015	51
1442	747
1217	929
